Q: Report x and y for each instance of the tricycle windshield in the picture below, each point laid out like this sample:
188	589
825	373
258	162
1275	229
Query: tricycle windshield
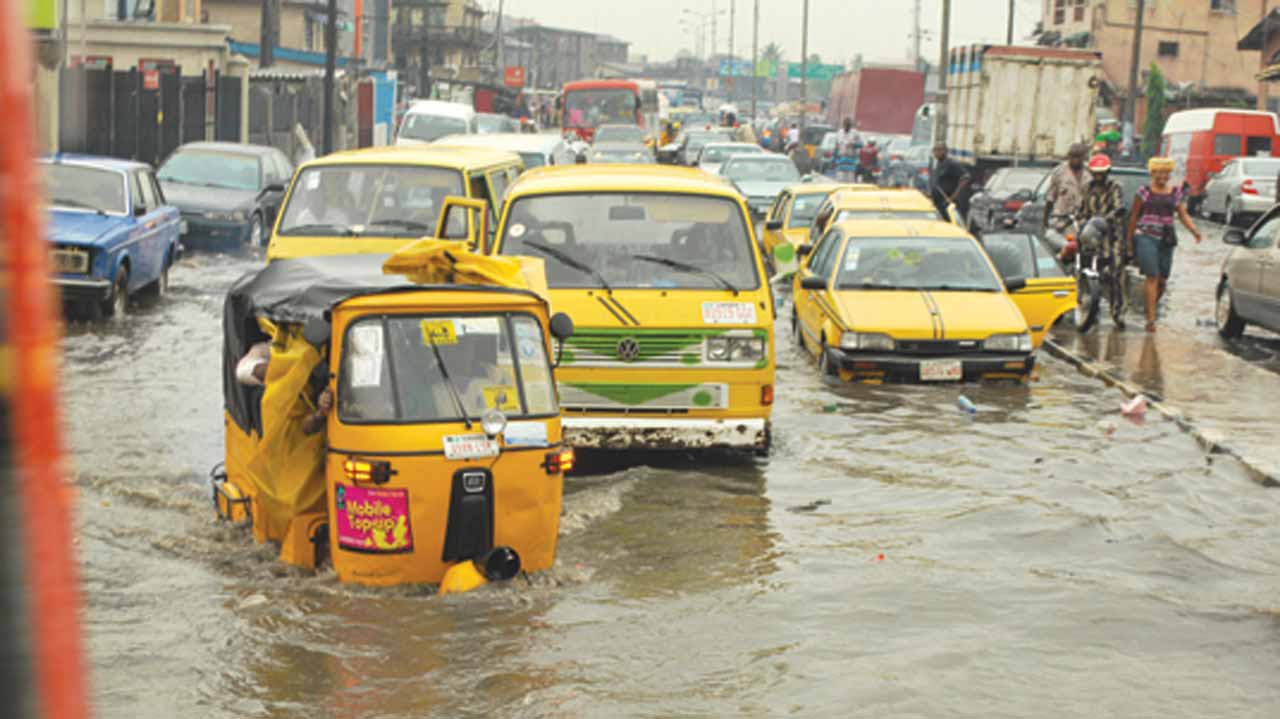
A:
368	200
413	369
91	189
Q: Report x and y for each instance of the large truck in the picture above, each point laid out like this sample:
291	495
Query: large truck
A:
1017	105
877	99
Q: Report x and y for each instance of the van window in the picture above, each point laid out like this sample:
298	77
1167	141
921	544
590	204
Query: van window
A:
480	191
1226	145
1257	146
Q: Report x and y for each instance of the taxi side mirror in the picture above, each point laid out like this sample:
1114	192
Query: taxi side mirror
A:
773	225
474	222
562	330
1013	284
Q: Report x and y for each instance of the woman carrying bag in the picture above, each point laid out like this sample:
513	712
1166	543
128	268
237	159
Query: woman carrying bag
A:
1151	236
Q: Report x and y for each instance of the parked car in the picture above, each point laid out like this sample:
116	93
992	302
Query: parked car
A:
912	170
1030	217
534	150
112	233
228	193
1200	141
995	205
1249	289
430	120
760	178
488	123
715	154
1242	191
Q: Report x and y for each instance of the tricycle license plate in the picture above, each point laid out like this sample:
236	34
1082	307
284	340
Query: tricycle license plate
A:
469	446
941	370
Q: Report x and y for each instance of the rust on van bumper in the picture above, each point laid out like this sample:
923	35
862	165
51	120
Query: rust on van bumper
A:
623	433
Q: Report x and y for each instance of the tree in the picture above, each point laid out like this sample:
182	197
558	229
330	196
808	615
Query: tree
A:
1154	124
815	59
771	53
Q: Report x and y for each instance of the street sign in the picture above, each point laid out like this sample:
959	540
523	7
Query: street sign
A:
816	72
513	76
734	68
150	79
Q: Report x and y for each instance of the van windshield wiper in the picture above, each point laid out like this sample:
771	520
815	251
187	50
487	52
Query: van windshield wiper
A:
692	269
405	224
448	381
320	229
567	260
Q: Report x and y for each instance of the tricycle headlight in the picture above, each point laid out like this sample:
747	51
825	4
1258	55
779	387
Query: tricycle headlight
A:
1008	343
867	341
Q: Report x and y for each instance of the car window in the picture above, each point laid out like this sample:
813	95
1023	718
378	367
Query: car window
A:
499	181
156	192
820	220
1265	235
1047	264
821	264
1226	145
780	205
804	209
146	194
1258	145
480	191
1011	254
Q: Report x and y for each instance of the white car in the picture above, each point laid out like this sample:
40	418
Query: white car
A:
534	150
429	120
715	154
1244	189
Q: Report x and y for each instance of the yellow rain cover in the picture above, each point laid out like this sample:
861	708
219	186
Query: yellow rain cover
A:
438	262
286	470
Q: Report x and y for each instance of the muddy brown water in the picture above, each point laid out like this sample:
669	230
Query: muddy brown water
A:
893	557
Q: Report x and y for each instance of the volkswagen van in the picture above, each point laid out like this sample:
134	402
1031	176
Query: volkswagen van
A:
911	300
377	200
443	446
660	271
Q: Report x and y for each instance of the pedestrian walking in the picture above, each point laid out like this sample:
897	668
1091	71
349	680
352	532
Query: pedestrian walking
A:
1066	189
948	180
1151	236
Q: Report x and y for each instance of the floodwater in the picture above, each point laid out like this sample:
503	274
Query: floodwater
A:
893	557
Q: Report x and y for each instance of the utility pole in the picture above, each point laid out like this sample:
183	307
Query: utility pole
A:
917	35
330	65
712	53
502	55
804	64
1131	107
269	33
424	55
755	54
944	65
1009	35
733	63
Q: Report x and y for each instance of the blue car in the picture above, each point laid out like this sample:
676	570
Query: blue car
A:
112	233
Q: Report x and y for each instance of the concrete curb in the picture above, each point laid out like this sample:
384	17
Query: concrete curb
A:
1209	441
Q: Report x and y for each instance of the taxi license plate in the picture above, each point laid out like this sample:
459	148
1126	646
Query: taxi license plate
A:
469	446
70	261
941	371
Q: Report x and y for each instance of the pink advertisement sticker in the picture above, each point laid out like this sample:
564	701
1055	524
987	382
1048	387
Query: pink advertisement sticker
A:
373	520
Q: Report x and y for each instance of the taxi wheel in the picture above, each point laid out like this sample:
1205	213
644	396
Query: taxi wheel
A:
825	365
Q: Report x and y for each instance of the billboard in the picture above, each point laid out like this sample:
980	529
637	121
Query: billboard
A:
816	72
42	15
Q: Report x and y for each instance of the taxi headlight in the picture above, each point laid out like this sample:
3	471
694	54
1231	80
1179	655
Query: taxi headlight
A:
869	341
1008	343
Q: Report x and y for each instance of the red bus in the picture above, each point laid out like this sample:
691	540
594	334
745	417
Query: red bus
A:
587	104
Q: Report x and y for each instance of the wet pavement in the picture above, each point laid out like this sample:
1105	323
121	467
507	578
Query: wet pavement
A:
1218	385
893	557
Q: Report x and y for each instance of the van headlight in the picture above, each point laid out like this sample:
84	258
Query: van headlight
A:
867	341
735	349
1008	343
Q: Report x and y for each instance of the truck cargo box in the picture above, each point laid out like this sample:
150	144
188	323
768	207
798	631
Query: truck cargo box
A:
879	99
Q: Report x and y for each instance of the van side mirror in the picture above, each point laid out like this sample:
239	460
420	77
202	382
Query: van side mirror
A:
812	282
773	225
804	250
1234	237
474	223
562	330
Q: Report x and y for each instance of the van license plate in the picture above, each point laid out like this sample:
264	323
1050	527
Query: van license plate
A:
469	446
941	371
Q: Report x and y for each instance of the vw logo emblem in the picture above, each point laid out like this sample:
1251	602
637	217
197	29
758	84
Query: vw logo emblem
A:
628	350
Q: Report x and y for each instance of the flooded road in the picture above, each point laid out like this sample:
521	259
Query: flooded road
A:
893	557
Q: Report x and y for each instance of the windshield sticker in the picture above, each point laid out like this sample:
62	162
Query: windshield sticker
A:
526	434
851	259
366	371
516	231
502	397
373	520
528	348
439	332
313	180
728	313
477	326
366	355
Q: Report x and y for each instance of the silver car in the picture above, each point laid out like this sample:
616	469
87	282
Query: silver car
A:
1244	189
1249	291
715	154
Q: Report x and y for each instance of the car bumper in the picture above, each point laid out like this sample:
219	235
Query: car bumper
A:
202	231
83	289
907	368
1256	204
622	433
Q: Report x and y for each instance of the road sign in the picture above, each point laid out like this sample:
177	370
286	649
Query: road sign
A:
150	79
816	72
513	76
734	68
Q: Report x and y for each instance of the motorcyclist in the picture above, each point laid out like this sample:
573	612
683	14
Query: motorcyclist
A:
868	161
1103	197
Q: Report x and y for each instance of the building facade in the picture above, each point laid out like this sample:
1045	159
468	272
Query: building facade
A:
1264	39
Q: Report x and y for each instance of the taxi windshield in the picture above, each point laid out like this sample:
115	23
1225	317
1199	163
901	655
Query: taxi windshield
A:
406	369
634	240
368	200
915	263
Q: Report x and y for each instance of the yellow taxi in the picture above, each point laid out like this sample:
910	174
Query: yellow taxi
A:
786	226
880	204
660	271
912	300
377	200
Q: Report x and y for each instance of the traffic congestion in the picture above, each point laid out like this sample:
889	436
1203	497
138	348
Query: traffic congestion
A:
646	395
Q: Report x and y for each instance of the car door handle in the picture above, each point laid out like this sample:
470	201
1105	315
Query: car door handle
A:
1060	293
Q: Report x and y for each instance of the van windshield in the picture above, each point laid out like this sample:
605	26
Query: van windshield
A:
369	200
634	240
391	373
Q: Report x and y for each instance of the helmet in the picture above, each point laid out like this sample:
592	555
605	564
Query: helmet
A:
1099	163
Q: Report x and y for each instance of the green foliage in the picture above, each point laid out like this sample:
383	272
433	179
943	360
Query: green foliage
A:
1156	102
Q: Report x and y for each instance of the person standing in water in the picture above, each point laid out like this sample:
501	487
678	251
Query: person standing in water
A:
1151	235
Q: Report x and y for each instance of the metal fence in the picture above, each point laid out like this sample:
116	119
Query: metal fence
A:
286	111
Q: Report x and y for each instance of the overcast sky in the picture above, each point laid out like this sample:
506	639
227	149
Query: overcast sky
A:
838	29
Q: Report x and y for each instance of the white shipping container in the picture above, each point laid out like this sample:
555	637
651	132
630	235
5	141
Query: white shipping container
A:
1017	104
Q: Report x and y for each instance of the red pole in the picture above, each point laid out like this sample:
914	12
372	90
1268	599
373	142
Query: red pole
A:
43	497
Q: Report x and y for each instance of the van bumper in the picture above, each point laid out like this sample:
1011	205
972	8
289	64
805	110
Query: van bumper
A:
621	433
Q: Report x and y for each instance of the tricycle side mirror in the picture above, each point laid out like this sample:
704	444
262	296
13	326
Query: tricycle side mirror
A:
773	225
316	332
804	250
561	329
1234	237
812	282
